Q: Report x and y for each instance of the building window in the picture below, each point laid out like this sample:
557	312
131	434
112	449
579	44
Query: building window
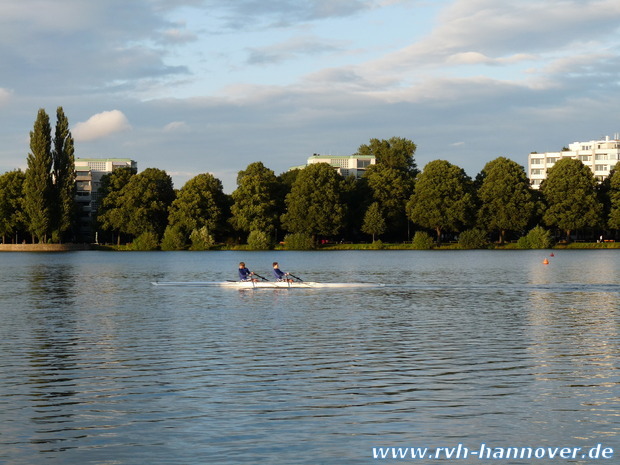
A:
552	159
585	157
536	171
600	156
601	167
536	161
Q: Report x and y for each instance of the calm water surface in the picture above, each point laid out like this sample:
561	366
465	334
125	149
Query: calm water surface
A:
97	366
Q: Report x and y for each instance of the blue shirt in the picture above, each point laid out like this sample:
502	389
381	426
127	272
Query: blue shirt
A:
244	274
278	273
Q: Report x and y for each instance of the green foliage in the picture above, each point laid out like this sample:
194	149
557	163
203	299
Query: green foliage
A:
11	200
507	201
200	202
255	199
63	170
473	239
38	189
259	240
315	204
422	241
614	197
377	245
374	223
298	241
174	239
390	188
201	239
146	241
570	194
144	202
112	214
396	152
442	198
537	238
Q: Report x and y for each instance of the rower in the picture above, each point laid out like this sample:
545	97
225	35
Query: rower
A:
245	274
279	274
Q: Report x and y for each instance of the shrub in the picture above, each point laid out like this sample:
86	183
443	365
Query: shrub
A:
422	241
173	239
145	241
378	245
259	240
298	241
201	239
473	239
537	238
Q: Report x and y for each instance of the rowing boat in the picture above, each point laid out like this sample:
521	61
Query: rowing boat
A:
262	284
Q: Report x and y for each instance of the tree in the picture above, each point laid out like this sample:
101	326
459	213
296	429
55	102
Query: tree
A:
112	214
146	199
374	223
255	201
442	198
396	152
391	188
507	202
201	202
11	199
391	179
613	194
38	189
63	166
570	194
314	205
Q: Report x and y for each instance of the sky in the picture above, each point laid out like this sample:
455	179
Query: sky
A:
197	86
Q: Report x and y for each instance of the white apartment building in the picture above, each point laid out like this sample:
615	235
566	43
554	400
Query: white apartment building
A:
350	165
599	155
89	172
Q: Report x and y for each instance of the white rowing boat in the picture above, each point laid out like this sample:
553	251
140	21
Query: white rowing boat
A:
261	284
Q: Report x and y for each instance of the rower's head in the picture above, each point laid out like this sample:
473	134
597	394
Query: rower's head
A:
241	265
275	264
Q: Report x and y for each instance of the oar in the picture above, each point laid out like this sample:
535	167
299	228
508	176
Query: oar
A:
299	279
264	279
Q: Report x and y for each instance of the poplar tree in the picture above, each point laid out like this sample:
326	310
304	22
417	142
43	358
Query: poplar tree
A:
38	187
63	176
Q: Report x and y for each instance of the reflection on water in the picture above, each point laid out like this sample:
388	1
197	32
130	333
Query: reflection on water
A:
98	366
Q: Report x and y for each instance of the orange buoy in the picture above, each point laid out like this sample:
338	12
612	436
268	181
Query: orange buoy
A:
545	262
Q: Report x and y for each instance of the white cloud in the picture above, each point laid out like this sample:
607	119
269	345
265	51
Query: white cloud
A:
5	95
176	126
101	125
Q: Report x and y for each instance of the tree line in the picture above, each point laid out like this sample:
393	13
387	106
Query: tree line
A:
391	202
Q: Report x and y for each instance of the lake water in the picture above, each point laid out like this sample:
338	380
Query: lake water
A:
97	366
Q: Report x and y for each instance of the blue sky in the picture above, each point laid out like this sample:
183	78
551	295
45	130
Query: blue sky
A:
194	86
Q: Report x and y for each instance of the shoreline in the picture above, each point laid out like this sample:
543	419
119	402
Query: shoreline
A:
70	247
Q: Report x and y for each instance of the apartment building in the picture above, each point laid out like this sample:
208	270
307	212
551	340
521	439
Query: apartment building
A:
350	165
599	155
89	172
